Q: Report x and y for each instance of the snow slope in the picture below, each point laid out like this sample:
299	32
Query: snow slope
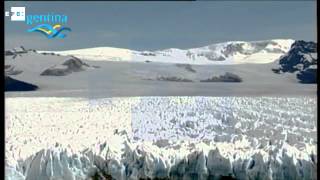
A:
114	79
233	52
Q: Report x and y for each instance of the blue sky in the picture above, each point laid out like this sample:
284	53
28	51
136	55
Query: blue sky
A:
159	25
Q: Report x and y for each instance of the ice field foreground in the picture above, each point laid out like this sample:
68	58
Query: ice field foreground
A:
161	137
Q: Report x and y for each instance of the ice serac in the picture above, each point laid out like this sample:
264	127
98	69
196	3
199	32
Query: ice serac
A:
136	162
233	52
244	138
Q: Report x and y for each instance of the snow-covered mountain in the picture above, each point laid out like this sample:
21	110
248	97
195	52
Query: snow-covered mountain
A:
233	52
301	56
302	60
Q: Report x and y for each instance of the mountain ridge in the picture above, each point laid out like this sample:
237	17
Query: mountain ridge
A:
231	52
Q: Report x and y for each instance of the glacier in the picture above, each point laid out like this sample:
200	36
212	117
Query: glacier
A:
79	138
93	118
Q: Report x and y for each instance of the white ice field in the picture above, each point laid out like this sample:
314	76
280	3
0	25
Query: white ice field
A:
164	137
110	115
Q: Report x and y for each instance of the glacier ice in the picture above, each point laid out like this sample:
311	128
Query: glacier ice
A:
77	138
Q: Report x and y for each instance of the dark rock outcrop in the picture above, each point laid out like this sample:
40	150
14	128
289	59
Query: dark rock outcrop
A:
173	78
75	64
71	65
16	85
308	75
301	59
227	77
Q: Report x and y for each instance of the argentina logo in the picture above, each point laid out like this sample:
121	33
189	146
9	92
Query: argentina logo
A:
51	25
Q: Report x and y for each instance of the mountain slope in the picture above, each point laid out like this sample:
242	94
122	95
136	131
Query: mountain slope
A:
151	78
234	52
301	60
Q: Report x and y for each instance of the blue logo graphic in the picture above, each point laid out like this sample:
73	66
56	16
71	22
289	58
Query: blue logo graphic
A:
50	31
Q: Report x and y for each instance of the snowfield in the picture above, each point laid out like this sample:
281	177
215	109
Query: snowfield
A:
161	114
233	52
163	137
